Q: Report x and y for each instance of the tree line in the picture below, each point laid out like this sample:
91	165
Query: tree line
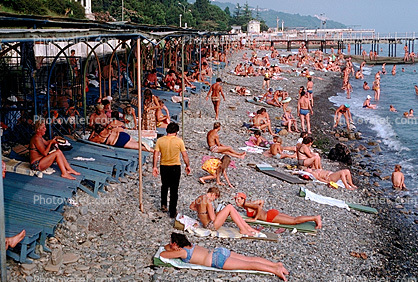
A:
199	15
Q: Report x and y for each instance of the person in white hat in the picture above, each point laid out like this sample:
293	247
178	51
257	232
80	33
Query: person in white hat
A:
367	104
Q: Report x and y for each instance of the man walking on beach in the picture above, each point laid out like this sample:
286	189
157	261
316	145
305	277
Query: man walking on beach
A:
309	89
169	148
305	111
216	91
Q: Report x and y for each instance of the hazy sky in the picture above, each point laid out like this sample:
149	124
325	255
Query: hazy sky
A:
382	15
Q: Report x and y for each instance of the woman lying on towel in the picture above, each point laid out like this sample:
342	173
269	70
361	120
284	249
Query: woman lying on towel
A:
328	176
114	135
213	221
41	155
220	258
255	210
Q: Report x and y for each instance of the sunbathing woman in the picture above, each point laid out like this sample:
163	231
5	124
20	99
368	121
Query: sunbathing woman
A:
162	120
327	176
41	156
216	167
114	135
220	258
255	210
305	156
210	220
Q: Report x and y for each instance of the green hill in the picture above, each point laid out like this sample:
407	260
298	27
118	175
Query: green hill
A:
290	20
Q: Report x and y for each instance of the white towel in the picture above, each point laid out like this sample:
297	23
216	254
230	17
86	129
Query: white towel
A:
251	150
84	159
324	200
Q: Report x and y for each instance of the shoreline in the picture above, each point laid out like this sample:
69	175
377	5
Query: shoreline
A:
398	244
116	241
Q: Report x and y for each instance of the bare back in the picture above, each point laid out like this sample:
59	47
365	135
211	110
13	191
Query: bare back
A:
213	138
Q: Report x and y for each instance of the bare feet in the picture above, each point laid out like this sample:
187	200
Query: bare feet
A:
72	171
12	241
318	222
242	156
67	176
202	181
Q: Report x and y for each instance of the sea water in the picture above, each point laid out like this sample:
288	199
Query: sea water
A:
398	135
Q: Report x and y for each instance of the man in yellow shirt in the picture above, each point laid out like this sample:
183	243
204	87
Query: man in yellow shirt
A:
169	148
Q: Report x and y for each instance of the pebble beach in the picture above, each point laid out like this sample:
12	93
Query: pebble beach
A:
110	239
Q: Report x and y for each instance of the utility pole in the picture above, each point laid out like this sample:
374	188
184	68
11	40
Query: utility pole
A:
122	10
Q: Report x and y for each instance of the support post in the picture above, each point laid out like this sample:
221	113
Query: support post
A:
138	65
182	88
3	269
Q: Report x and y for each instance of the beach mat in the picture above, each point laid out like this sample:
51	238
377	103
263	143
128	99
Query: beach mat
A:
306	227
178	263
357	207
262	104
270	171
228	232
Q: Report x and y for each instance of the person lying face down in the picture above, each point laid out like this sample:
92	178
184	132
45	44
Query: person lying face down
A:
221	258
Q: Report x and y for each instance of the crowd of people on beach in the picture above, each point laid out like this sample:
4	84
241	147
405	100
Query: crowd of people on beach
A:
111	127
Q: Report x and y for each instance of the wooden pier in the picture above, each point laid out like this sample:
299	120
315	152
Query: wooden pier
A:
339	40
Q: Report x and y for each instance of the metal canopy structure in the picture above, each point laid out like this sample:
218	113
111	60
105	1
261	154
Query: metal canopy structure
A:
19	31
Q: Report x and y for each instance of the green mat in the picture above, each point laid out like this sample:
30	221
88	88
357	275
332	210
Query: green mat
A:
351	206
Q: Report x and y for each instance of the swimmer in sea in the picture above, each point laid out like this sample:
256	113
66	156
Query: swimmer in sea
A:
367	87
392	109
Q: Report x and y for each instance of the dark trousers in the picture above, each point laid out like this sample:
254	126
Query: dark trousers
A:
170	178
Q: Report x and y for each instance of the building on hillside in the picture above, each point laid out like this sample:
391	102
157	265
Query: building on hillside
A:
253	26
87	6
236	29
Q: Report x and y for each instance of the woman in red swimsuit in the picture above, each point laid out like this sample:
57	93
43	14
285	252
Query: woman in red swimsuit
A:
255	210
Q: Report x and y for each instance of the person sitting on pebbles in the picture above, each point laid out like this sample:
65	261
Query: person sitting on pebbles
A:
328	176
305	156
213	221
277	151
398	179
215	145
255	211
289	121
220	258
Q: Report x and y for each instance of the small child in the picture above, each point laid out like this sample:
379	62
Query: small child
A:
129	118
276	149
398	179
216	167
392	109
72	113
259	140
